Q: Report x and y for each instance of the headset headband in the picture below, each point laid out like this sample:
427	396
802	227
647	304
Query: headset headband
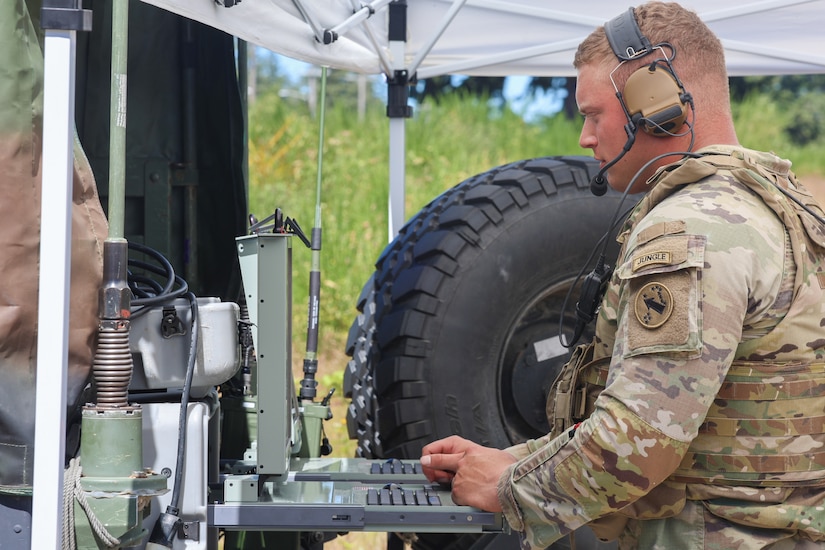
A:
625	36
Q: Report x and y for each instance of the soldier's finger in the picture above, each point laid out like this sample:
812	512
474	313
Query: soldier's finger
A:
439	461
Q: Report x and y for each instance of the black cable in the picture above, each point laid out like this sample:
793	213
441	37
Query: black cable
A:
184	401
165	265
604	276
143	286
148	303
802	205
168	522
579	276
149	292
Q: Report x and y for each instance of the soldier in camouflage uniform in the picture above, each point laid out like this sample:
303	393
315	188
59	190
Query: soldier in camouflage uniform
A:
707	423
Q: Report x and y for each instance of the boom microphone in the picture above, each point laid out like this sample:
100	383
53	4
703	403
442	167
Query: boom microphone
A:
598	185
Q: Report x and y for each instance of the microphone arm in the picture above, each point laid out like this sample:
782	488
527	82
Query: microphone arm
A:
598	185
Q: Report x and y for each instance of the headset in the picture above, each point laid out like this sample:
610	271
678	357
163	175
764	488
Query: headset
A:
653	99
653	95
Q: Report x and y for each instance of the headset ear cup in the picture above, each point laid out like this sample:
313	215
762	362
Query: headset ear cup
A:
657	97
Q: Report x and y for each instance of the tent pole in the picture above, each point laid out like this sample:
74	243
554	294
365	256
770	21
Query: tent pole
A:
461	67
397	111
310	20
61	19
397	175
382	55
358	16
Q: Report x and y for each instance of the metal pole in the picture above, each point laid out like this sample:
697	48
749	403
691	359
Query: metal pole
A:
190	155
243	85
308	384
61	23
397	111
117	120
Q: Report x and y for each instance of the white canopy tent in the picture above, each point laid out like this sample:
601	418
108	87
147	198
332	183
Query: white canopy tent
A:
498	37
418	39
412	39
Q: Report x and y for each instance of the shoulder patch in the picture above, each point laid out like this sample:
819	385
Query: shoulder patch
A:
653	304
661	295
661	307
654	257
672	250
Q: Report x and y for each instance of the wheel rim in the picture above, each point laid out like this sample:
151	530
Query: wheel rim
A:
531	358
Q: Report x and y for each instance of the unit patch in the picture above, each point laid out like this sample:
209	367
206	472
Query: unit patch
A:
662	304
662	257
653	304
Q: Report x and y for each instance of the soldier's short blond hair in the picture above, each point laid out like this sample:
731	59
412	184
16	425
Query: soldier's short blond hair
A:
700	57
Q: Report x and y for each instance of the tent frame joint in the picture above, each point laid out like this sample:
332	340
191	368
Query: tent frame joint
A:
398	95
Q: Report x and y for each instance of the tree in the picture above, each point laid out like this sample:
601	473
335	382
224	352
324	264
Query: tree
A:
785	88
439	86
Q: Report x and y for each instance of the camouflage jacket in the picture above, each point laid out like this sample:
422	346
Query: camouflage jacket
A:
707	278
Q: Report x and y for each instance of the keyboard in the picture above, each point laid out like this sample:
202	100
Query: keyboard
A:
393	494
395	466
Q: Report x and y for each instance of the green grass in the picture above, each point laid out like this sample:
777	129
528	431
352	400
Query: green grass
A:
446	143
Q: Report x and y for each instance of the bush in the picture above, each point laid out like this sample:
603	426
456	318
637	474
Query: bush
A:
806	117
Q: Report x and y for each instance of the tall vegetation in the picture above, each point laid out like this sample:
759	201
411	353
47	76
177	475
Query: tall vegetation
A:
446	141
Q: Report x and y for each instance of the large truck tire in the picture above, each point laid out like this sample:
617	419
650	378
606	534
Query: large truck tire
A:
458	327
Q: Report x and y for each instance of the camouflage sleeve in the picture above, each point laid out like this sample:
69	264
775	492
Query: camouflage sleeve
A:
522	450
681	296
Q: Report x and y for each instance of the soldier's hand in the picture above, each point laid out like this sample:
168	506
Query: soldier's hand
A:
449	451
473	469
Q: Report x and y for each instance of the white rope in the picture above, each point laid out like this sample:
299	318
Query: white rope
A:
72	490
69	477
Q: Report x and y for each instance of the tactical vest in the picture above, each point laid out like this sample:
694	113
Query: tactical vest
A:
766	426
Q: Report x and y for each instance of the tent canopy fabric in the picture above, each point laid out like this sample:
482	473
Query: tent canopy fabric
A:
500	37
